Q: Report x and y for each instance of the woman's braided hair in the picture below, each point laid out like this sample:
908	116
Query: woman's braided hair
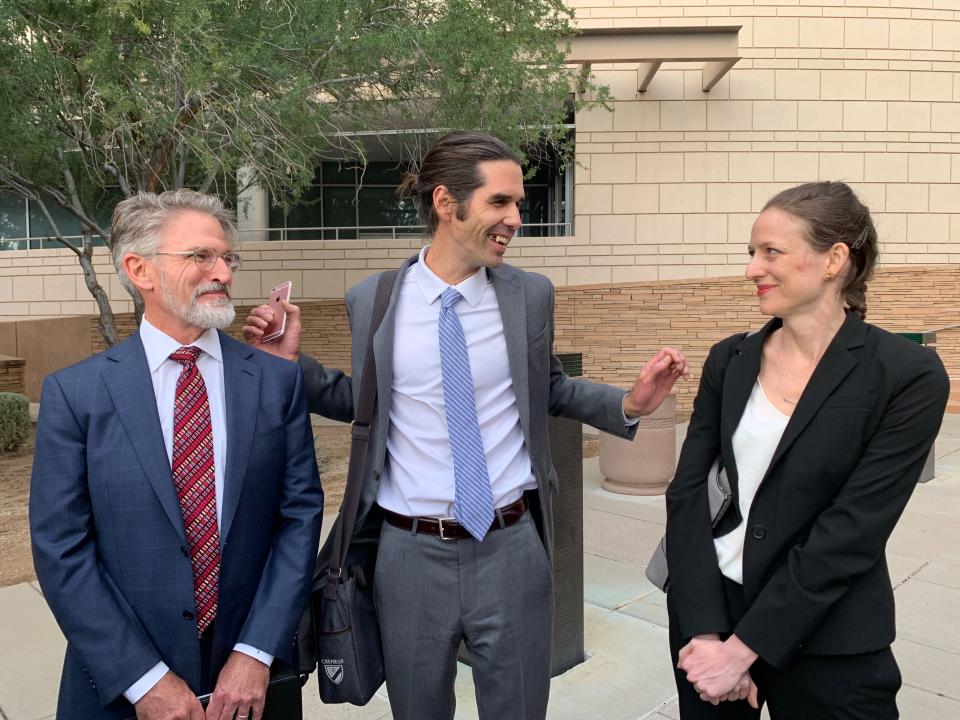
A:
832	213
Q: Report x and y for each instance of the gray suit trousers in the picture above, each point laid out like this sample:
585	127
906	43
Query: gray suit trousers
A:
497	596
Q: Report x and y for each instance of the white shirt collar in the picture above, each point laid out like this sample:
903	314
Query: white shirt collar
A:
432	286
158	345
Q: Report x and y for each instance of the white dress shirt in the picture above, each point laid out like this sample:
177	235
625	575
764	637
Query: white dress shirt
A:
164	372
754	442
417	478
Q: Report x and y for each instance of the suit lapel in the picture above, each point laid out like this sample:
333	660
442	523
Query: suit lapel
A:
837	362
241	389
739	377
131	390
513	314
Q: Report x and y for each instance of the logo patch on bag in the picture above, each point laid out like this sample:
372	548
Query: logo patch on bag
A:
334	670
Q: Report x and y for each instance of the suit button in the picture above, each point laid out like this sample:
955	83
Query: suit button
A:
187	615
759	532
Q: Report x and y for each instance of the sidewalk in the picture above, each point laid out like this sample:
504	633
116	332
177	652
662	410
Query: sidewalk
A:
627	673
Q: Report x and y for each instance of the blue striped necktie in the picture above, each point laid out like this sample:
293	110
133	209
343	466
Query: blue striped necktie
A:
473	503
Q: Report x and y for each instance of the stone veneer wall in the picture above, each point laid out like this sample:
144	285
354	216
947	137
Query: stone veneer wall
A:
618	327
11	374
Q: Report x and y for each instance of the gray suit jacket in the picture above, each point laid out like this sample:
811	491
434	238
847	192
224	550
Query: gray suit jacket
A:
542	388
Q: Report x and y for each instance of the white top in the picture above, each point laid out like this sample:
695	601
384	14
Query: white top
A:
754	442
164	372
417	478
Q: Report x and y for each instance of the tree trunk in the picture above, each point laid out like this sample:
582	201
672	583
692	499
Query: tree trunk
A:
105	321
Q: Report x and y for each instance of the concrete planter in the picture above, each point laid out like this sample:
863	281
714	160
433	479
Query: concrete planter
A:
645	465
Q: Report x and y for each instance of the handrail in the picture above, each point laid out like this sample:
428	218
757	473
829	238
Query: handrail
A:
393	232
941	329
390	232
39	238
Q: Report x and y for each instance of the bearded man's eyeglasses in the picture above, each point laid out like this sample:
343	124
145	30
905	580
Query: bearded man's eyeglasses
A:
206	258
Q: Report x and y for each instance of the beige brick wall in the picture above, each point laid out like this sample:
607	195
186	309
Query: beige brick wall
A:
50	283
854	90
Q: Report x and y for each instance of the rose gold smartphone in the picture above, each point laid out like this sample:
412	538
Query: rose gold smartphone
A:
276	327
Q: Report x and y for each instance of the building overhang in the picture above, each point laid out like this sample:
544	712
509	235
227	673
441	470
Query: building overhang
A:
715	48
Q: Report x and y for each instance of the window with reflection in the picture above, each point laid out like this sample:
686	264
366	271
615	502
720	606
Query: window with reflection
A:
24	226
348	202
13	222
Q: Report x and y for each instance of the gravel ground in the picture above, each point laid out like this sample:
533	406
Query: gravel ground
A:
16	565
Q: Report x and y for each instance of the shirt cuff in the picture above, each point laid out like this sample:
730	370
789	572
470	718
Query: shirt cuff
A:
145	684
629	422
265	658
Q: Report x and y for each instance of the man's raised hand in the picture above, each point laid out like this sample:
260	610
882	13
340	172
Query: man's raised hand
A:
654	382
287	345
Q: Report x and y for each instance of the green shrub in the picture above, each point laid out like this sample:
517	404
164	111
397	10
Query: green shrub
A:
14	420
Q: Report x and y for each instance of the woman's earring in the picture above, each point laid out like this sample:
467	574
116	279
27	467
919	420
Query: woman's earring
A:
828	276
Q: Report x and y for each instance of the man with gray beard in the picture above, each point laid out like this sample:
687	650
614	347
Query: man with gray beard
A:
175	504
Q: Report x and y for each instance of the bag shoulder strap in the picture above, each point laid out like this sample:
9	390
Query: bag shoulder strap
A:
360	430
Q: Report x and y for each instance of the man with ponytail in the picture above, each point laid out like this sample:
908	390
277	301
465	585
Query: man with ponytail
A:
459	482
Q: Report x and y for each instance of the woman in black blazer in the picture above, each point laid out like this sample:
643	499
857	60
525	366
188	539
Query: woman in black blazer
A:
823	424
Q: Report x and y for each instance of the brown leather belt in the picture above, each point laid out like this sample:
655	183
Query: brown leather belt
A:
450	529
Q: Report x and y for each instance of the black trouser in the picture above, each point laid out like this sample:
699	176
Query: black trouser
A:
206	655
810	687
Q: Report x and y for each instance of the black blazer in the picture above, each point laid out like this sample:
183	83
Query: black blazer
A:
815	576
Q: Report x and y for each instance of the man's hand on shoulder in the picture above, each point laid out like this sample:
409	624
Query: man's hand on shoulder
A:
654	382
170	699
287	345
241	689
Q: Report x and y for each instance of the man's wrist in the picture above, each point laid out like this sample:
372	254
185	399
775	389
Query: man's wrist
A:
146	683
255	653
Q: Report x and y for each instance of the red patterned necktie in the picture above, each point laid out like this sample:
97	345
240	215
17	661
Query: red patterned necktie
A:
193	478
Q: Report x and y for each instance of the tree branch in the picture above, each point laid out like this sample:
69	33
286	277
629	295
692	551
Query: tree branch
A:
211	176
121	180
57	235
76	207
32	190
164	146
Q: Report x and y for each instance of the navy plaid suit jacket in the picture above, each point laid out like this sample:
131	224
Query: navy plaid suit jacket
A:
108	540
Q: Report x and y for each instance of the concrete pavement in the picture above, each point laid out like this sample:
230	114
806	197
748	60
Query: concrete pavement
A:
627	673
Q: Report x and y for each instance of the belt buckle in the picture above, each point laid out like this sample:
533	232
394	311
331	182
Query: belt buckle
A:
440	522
